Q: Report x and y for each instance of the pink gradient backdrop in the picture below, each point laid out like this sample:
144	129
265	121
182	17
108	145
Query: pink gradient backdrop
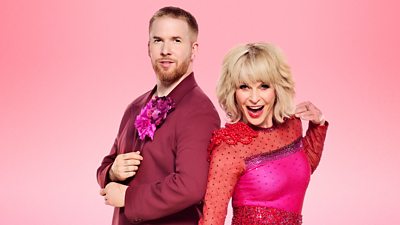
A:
69	68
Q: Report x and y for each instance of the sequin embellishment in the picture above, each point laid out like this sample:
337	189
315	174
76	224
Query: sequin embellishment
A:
254	161
259	215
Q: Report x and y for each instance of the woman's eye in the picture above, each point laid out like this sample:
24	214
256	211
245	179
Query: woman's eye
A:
243	86
264	86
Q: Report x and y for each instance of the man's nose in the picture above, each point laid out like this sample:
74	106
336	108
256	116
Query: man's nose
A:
165	50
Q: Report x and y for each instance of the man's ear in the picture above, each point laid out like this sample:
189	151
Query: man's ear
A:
148	48
195	49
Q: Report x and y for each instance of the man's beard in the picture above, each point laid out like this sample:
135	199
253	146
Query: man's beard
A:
169	77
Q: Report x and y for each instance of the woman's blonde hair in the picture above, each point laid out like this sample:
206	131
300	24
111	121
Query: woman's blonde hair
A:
256	62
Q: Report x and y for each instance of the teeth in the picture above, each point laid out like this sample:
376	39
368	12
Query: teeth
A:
255	108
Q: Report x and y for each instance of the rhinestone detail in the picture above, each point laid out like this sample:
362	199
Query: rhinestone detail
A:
254	161
259	215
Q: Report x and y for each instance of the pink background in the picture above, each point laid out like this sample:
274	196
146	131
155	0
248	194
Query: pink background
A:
69	68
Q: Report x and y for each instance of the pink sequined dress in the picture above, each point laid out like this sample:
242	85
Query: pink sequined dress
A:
265	171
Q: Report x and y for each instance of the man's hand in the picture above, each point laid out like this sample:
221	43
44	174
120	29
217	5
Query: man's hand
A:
308	111
114	194
125	166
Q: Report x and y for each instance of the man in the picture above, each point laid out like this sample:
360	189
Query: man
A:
156	172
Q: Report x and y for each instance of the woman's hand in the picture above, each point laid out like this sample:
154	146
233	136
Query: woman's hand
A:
308	111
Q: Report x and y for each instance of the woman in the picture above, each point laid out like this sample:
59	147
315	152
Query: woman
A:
261	159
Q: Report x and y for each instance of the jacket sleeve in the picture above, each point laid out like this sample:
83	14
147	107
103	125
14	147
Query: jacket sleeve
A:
313	143
184	187
103	171
225	169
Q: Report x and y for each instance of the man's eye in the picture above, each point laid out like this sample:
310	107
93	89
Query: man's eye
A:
156	40
178	41
243	86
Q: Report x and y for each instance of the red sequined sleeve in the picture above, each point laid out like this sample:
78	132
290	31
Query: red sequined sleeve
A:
225	168
314	143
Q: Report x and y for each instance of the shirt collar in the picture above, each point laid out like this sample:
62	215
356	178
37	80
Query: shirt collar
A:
179	91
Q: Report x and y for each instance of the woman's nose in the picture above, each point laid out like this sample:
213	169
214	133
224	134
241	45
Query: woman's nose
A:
254	96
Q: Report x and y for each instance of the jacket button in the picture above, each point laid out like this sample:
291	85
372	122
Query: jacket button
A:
137	220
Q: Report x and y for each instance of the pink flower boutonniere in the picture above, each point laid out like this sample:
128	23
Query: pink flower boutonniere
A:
153	115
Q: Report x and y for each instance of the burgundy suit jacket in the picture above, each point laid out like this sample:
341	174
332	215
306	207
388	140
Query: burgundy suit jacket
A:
170	184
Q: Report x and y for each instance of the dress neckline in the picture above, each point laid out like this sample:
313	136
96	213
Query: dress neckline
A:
262	129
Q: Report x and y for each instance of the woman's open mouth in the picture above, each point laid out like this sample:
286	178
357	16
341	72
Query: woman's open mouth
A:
255	111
